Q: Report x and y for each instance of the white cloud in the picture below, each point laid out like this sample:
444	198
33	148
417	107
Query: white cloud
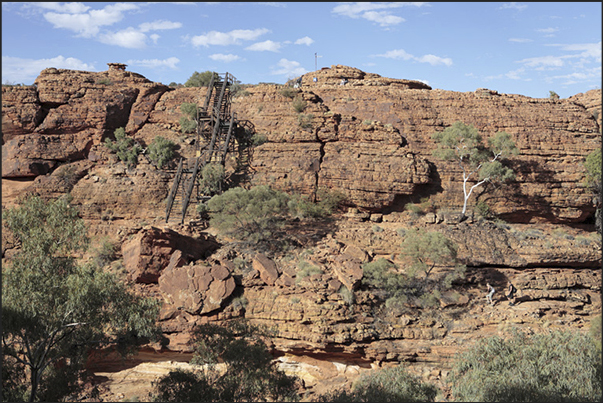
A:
520	40
69	8
154	38
397	54
19	70
127	38
434	60
549	32
514	6
403	55
224	58
375	12
228	38
155	63
268	45
543	61
159	25
588	50
87	24
289	68
306	40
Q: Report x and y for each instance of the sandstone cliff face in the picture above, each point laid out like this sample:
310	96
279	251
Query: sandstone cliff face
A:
369	139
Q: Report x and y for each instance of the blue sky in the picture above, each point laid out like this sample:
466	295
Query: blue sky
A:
514	48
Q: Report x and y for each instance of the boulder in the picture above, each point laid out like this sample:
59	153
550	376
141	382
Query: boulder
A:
196	289
152	249
266	267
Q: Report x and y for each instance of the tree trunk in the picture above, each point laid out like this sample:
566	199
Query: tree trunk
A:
34	384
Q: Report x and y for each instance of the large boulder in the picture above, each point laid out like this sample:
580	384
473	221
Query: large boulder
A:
197	289
149	251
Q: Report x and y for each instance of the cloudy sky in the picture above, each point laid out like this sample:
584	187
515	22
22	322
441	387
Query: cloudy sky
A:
515	48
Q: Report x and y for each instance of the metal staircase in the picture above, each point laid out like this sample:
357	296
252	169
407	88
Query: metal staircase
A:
216	127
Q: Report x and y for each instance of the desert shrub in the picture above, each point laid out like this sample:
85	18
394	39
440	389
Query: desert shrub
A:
124	146
483	210
346	294
161	151
425	250
200	79
288	92
547	367
250	375
305	269
251	215
381	275
385	385
211	179
258	139
305	121
300	206
104	253
299	104
104	81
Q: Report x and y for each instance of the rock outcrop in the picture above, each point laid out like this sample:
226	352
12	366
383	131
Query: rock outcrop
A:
369	139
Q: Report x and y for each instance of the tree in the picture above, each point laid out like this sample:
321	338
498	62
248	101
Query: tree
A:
124	147
188	123
425	250
462	143
250	374
200	79
250	215
385	385
161	151
593	180
53	309
211	179
547	367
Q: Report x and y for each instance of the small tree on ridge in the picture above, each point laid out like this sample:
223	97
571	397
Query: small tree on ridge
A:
463	143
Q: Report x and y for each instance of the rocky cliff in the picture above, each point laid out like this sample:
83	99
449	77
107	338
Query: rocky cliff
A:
369	139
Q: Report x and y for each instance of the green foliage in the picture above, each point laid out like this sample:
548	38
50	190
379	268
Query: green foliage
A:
55	308
250	375
305	121
162	151
553	95
463	143
188	123
426	249
299	104
258	139
547	367
593	180
300	206
200	79
305	269
288	92
250	215
104	253
125	148
382	276
104	81
211	179
385	385
595	331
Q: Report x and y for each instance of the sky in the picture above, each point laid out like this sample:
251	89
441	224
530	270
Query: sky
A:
514	48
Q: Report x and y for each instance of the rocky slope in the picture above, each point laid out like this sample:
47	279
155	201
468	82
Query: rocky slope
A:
369	139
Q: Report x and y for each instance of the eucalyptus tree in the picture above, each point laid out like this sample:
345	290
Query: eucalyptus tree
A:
479	163
54	309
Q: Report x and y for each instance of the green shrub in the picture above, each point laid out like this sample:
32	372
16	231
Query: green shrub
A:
258	139
162	151
200	79
305	121
299	104
425	250
347	295
385	385
250	215
105	253
125	148
300	206
305	269
547	367
250	374
381	275
104	81
211	179
288	92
